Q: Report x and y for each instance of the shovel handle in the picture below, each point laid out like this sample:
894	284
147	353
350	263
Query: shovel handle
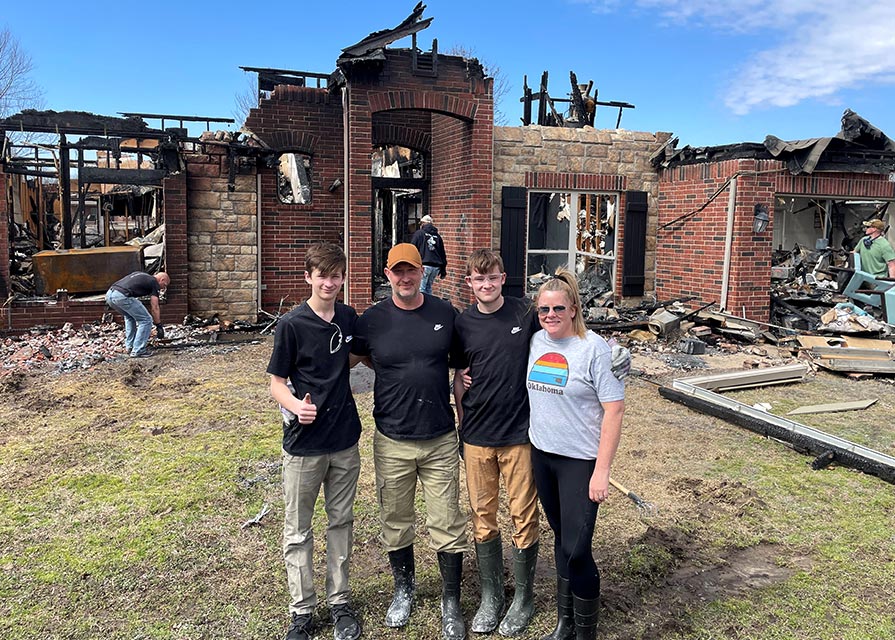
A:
633	496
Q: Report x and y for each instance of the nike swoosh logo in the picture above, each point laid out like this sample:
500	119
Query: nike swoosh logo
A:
348	338
515	330
439	327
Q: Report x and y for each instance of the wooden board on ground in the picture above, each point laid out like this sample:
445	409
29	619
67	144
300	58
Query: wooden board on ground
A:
855	405
857	366
849	353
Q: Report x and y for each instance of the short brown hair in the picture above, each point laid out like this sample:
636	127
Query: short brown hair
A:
566	282
326	257
483	260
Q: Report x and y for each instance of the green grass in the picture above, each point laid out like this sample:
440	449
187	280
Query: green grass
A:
121	509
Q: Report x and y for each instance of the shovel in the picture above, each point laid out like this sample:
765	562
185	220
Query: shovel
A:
644	508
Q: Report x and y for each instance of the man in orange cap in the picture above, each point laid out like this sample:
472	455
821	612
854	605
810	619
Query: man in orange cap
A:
411	342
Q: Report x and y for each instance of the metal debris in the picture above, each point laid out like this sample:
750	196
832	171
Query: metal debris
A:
251	522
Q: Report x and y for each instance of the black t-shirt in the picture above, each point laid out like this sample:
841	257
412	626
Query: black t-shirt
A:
495	407
137	285
313	354
411	353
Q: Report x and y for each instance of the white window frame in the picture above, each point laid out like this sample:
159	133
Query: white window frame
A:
572	251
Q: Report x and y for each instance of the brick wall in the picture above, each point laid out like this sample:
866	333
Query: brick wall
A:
222	237
691	253
4	237
584	159
174	190
458	104
306	120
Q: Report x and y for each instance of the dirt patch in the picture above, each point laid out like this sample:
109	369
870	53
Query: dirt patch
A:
675	572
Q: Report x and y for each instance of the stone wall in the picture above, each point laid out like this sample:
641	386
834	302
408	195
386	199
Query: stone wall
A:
222	238
584	159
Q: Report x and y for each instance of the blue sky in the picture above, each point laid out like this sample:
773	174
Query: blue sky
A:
711	71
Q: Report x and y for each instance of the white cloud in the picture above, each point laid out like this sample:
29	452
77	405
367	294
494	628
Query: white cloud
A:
816	48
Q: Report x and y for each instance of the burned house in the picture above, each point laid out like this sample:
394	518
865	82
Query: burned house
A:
359	155
89	200
728	213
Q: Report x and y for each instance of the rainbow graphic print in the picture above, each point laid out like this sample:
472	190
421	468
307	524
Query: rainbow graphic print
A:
551	368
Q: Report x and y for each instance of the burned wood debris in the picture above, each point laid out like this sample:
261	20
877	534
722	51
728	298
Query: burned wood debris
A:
577	109
72	348
820	290
84	185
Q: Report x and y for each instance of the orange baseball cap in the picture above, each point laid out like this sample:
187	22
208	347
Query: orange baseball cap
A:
404	252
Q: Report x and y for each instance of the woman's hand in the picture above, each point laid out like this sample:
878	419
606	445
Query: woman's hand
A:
598	488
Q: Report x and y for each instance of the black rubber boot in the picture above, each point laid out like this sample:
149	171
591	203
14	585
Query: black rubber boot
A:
565	617
586	615
490	559
404	571
451	567
523	605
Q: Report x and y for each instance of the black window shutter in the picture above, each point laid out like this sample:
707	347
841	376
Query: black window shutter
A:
634	250
512	239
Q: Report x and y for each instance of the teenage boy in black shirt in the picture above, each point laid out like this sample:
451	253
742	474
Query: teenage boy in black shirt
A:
321	430
493	416
410	340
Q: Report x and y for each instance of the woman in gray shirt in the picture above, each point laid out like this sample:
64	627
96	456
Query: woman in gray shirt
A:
576	417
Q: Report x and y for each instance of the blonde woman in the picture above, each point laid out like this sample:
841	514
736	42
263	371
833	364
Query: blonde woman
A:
575	425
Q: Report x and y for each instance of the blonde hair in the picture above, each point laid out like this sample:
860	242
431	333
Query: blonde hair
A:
565	281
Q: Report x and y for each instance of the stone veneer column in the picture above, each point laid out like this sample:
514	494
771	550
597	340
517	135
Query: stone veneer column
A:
222	239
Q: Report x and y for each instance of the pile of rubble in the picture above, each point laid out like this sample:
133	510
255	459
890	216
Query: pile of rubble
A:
71	348
806	294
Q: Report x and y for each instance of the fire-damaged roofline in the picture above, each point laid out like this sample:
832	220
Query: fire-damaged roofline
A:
78	123
380	39
858	147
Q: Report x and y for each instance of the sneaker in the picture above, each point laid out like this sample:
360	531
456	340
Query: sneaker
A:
145	353
346	625
301	627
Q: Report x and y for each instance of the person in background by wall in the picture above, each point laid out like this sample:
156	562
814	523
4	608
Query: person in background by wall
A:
321	429
123	296
576	420
877	255
428	242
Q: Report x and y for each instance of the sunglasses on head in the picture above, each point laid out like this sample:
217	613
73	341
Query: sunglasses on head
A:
543	311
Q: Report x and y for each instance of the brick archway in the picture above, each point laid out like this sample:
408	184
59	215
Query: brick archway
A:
437	102
386	134
293	141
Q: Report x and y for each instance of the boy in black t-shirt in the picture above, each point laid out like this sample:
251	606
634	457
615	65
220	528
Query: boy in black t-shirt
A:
494	419
495	332
321	430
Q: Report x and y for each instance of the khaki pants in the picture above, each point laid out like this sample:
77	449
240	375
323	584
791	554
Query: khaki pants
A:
303	476
484	467
435	462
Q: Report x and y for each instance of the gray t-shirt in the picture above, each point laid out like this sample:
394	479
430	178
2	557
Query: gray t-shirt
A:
567	381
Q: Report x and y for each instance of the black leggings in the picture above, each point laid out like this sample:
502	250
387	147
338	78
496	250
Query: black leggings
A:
563	490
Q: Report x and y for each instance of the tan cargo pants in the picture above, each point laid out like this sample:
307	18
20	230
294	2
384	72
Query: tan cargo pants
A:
303	476
484	468
435	463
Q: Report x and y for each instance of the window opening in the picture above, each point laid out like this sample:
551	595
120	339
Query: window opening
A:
575	230
294	178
